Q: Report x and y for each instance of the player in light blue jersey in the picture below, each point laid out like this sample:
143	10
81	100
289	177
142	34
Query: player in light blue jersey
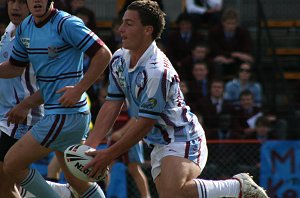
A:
141	73
54	42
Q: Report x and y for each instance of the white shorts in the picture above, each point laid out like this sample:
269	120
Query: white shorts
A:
194	150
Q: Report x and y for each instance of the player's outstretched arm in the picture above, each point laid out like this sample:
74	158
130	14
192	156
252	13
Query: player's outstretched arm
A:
8	70
137	130
105	119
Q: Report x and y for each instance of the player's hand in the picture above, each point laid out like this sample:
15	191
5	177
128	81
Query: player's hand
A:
70	96
17	114
99	164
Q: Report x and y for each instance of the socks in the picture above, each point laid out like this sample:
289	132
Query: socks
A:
93	192
221	188
37	185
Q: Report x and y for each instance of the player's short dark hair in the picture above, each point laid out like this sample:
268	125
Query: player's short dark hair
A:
150	14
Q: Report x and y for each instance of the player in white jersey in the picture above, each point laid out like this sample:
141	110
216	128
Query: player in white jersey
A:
141	73
54	42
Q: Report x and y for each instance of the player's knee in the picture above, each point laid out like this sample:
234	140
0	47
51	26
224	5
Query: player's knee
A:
9	168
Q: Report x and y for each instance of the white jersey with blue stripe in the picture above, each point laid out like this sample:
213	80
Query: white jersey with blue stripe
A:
55	48
152	90
14	90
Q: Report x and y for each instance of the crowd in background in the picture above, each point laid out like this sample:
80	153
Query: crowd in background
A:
213	55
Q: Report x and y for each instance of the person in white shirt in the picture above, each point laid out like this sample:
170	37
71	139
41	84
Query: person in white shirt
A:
204	11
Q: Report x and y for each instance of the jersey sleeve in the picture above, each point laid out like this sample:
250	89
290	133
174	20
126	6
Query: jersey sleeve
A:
19	55
78	35
114	90
154	96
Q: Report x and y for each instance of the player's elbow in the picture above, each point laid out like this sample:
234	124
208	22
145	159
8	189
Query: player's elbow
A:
105	54
8	70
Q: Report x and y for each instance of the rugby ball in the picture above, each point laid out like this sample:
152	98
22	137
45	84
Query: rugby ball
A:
76	159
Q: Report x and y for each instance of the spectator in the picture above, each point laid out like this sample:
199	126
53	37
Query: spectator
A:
73	5
216	112
263	130
245	116
4	19
2	26
87	16
204	11
185	91
229	44
244	81
199	54
181	41
114	40
60	4
199	86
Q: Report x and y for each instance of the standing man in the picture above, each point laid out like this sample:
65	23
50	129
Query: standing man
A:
54	42
142	74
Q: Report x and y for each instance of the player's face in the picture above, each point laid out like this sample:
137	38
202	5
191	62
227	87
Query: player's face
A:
37	7
134	35
17	11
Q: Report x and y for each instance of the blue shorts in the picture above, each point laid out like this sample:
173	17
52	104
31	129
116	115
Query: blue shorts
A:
136	153
59	131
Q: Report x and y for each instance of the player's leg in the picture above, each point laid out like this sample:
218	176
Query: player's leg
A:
175	174
7	186
176	165
17	161
175	179
63	190
140	179
136	157
54	170
85	189
75	128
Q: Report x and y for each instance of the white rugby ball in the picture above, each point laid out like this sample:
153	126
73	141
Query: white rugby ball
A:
76	159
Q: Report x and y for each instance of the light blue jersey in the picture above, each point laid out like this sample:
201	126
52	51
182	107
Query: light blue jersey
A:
152	90
55	49
14	90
